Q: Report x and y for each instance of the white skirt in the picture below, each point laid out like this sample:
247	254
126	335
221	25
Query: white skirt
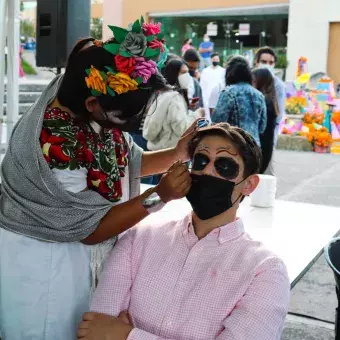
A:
44	287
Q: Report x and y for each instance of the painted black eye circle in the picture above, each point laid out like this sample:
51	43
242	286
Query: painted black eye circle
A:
200	162
227	168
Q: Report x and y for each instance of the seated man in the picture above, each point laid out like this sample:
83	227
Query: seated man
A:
200	277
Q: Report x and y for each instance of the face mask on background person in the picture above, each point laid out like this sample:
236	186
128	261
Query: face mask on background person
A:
215	63
206	39
268	67
184	80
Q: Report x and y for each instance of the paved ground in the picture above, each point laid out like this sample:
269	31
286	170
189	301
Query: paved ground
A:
310	178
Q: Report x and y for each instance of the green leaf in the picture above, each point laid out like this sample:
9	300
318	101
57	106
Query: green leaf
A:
149	53
125	54
110	91
112	48
119	33
56	123
103	74
88	71
136	27
150	38
160	36
103	163
139	80
73	164
142	20
110	69
95	93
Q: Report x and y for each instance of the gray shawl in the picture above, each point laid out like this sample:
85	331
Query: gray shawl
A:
33	202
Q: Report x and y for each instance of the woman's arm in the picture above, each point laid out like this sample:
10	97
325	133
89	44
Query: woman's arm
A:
174	185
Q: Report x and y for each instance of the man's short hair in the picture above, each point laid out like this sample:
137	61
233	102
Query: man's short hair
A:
265	50
245	144
215	54
191	55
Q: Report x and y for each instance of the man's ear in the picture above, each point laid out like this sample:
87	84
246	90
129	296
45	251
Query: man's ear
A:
92	104
251	184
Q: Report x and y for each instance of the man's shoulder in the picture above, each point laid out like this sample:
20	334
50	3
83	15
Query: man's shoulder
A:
265	258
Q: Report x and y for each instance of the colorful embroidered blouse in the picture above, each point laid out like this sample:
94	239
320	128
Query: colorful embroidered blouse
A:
71	144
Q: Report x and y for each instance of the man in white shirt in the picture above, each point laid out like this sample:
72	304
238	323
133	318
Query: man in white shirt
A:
211	77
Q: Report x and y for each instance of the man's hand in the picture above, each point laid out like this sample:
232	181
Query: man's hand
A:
182	147
103	327
175	183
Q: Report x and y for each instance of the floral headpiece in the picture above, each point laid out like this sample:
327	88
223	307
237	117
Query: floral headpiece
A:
138	51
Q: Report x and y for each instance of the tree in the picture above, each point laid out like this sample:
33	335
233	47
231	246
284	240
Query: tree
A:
97	28
27	28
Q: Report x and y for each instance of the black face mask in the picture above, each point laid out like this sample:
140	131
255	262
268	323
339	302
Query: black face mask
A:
192	72
210	196
215	63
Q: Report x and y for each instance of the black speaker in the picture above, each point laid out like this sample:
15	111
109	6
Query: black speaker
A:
60	24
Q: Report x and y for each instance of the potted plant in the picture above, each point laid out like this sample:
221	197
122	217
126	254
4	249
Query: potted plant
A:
321	140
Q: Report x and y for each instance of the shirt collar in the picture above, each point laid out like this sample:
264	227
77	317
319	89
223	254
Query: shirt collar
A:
224	234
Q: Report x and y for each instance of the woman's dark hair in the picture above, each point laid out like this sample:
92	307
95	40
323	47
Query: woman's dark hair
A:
238	71
171	72
186	40
73	90
245	144
264	82
191	55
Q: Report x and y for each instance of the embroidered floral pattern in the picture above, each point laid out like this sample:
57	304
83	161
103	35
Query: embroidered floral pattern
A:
69	144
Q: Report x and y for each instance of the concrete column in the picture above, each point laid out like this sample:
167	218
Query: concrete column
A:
13	62
3	24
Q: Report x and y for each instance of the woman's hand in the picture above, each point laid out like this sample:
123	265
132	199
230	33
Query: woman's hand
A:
182	147
175	183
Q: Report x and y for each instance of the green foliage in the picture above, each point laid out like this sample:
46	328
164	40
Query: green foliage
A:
27	28
282	61
97	28
28	69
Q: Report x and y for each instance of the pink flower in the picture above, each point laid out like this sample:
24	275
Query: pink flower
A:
156	44
152	29
144	69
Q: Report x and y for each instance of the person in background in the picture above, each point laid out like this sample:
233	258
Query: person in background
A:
211	76
169	116
240	104
187	46
206	48
266	58
197	276
263	80
21	70
192	58
217	89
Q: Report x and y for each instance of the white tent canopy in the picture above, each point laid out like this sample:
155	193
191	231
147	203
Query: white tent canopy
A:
10	28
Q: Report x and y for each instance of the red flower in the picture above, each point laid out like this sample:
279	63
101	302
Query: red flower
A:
57	153
51	146
156	44
152	29
81	137
125	65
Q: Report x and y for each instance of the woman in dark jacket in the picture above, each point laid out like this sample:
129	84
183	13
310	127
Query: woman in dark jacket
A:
263	80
